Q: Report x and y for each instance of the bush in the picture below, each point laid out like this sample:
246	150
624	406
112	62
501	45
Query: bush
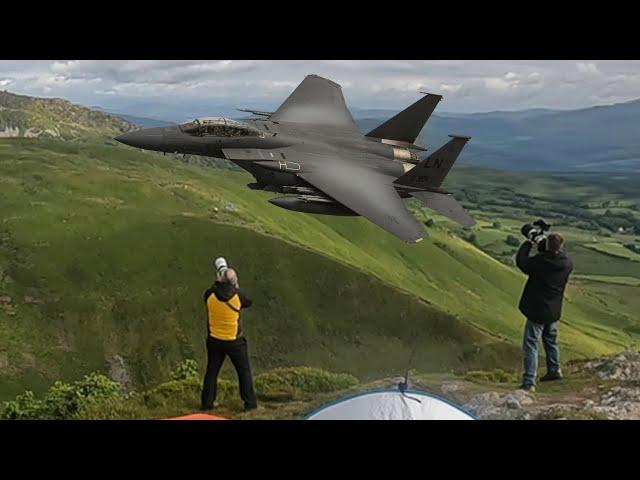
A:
512	241
184	392
492	376
63	400
472	238
171	392
24	407
188	369
633	247
287	383
130	408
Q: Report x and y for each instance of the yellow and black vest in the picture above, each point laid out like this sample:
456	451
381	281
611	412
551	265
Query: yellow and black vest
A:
224	317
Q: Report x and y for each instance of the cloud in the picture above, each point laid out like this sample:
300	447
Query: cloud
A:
498	84
587	67
469	85
450	87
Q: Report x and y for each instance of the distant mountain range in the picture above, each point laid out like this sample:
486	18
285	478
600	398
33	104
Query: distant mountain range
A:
143	122
602	138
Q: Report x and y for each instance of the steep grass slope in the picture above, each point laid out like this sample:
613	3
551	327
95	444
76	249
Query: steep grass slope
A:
105	252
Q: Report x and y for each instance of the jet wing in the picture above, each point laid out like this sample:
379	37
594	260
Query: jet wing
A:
370	194
317	101
445	205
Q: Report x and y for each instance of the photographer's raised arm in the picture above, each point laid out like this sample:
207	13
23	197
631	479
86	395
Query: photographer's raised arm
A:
245	301
529	265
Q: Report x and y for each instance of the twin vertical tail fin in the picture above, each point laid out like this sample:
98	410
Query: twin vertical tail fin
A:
406	125
424	181
431	172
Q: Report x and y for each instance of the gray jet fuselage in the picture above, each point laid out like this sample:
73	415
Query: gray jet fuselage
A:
274	135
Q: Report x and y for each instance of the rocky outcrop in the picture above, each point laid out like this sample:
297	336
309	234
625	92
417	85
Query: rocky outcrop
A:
119	371
624	366
32	117
494	406
9	132
614	394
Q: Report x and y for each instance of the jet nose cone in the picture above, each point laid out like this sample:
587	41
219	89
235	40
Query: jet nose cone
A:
148	139
127	138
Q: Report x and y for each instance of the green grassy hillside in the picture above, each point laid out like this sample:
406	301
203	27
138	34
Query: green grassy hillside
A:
105	251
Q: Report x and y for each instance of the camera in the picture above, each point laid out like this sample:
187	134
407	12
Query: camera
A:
537	232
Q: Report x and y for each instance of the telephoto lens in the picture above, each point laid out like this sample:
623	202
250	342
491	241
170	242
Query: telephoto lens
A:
221	265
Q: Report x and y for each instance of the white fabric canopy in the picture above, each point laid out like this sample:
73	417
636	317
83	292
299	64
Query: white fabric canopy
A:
390	405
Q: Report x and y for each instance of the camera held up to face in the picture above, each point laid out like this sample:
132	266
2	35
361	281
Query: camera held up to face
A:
537	233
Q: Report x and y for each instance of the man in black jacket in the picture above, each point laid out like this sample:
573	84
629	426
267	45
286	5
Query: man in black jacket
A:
541	303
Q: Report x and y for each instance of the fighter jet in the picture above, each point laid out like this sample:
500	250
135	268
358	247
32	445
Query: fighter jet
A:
311	149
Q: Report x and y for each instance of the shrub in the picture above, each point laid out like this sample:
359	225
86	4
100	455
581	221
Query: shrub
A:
63	400
512	241
492	376
130	408
24	407
633	247
188	369
177	392
472	238
287	383
170	392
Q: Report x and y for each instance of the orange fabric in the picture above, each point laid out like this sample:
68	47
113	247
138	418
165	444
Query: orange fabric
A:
197	416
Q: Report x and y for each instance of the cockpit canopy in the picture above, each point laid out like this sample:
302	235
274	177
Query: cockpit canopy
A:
219	127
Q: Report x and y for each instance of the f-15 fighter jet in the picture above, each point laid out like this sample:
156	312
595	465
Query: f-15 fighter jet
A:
311	148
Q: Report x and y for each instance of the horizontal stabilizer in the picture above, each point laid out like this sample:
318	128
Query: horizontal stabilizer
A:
445	205
432	171
406	125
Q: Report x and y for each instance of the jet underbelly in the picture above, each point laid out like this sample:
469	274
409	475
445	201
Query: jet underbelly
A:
278	178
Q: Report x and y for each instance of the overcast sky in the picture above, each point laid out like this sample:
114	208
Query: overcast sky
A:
467	86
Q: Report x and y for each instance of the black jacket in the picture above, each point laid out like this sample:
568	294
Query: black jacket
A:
224	291
541	300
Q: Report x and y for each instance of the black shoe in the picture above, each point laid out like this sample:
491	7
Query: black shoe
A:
250	407
552	376
206	408
527	387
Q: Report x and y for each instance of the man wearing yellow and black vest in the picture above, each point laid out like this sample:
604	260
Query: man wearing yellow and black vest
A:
224	302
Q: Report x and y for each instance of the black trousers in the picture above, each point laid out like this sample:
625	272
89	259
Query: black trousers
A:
217	351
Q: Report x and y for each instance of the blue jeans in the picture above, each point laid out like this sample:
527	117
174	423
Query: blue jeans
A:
532	332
